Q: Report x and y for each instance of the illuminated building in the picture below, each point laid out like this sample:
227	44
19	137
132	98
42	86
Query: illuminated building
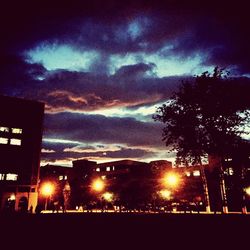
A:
20	146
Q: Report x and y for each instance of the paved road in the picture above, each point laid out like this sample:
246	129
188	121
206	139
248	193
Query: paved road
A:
149	212
130	230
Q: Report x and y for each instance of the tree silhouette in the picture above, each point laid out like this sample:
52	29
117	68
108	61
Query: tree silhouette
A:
204	117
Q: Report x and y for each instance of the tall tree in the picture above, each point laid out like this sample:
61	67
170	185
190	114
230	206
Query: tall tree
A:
205	117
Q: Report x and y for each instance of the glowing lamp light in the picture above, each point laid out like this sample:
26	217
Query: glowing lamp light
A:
12	197
171	180
47	189
247	190
108	196
165	194
98	185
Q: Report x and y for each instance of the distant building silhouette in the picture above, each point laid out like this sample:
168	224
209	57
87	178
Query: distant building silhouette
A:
59	176
20	146
133	183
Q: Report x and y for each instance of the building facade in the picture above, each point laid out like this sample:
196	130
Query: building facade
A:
21	123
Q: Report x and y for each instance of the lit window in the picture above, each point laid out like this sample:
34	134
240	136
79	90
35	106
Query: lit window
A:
188	174
196	173
15	142
98	169
113	168
3	140
107	168
60	177
2	177
4	129
65	177
16	130
11	177
103	177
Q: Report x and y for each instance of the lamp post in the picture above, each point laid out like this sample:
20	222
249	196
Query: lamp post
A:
98	185
47	190
170	182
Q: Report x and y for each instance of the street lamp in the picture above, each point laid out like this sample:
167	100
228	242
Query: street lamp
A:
165	194
12	197
47	190
98	185
247	190
171	180
108	196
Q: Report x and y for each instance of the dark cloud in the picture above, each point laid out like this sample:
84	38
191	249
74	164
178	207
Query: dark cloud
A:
219	29
99	137
133	71
17	76
132	85
97	128
122	153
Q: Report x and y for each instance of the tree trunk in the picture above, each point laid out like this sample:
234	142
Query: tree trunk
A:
223	188
215	162
243	192
205	189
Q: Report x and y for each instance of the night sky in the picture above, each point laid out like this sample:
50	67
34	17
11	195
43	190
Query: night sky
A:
102	67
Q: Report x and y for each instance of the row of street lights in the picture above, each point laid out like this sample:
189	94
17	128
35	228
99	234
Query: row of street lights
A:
170	183
170	180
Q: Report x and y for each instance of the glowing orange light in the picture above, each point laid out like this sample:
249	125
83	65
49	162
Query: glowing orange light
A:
171	179
108	196
165	194
248	190
12	197
98	185
47	189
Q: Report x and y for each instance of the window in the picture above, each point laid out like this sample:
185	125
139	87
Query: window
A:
3	140
12	141
98	170
4	129
60	177
65	177
188	174
2	177
196	173
16	130
11	177
107	168
15	142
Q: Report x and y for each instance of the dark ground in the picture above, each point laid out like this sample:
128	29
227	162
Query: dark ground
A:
126	231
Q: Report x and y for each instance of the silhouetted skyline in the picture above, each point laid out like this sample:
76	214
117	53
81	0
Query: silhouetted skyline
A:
102	68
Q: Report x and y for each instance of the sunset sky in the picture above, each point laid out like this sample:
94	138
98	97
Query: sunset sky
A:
102	67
